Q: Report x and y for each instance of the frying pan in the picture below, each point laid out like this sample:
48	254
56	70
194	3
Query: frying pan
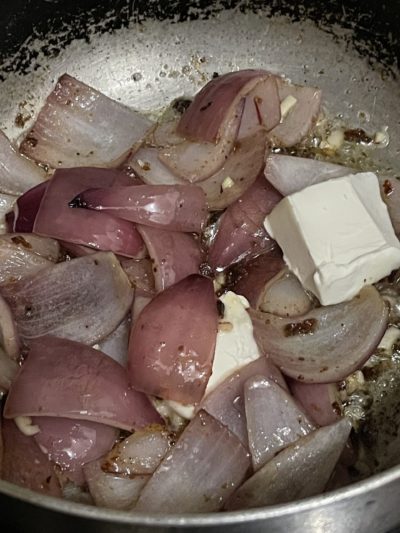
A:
145	53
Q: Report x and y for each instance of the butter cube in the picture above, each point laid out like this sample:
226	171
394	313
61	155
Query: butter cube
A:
336	236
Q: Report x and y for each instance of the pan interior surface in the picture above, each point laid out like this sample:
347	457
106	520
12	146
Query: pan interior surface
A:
146	65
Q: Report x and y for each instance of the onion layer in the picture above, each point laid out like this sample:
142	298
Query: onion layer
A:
80	126
17	174
73	443
226	402
169	207
110	491
174	255
299	471
172	342
326	344
319	400
138	454
71	380
240	231
289	174
83	299
80	226
24	464
200	473
273	419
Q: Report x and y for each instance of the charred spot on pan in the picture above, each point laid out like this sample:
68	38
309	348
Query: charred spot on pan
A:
306	327
357	135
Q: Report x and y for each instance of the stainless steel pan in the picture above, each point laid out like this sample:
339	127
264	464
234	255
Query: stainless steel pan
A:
147	53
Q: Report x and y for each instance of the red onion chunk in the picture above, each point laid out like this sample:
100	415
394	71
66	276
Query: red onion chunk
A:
200	473
18	261
110	491
326	344
151	170
239	172
208	115
6	205
72	443
174	255
172	342
140	453
197	161
83	299
140	274
261	108
273	419
8	371
299	471
289	174
80	126
301	118
26	209
17	174
390	192
284	296
71	380
319	400
241	233
102	231
257	274
226	402
116	344
170	207
9	338
24	464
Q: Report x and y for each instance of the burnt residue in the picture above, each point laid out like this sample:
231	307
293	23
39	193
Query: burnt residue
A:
357	135
373	24
306	327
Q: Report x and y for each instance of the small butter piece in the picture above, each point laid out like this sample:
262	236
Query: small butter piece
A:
336	236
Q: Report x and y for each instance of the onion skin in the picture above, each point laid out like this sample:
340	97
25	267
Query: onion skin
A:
81	126
68	379
172	342
83	299
199	473
169	207
326	344
101	231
